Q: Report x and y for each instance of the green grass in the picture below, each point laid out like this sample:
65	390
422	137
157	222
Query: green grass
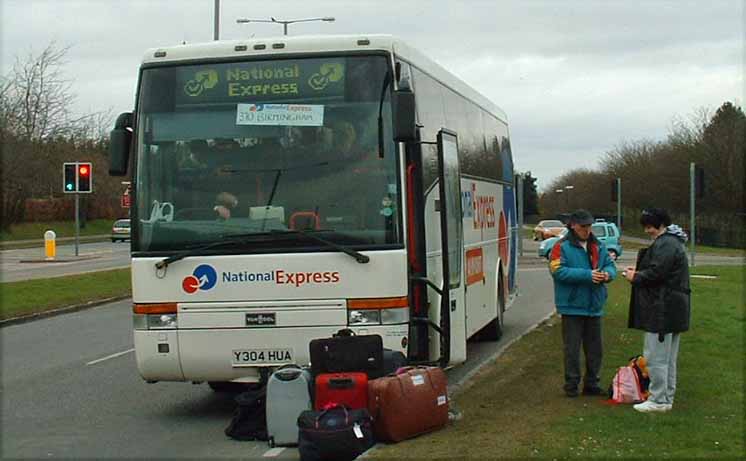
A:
33	296
516	408
700	249
35	230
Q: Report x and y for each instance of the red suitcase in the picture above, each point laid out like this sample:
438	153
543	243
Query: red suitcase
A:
408	404
349	389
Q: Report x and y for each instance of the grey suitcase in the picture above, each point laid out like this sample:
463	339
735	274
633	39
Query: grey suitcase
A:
288	394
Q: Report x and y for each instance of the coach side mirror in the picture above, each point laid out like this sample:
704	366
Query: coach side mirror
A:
402	105
119	145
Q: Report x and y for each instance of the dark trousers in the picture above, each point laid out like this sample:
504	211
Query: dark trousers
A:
582	330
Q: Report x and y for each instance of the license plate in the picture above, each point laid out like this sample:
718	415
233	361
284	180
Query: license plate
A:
248	357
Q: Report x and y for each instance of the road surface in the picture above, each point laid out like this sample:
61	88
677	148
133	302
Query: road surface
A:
28	263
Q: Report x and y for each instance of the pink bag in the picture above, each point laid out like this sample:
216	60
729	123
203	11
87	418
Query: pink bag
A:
626	386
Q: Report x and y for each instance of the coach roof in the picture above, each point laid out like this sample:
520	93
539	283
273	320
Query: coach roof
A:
289	45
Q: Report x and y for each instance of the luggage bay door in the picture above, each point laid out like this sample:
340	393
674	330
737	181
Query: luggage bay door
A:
452	311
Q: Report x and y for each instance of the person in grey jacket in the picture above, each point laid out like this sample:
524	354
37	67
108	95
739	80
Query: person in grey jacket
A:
660	304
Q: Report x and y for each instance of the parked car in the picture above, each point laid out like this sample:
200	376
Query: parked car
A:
546	245
548	228
606	232
120	230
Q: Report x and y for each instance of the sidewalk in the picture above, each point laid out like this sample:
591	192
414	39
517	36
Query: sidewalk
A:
33	243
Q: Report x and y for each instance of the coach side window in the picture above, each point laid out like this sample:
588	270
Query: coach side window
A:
492	139
429	105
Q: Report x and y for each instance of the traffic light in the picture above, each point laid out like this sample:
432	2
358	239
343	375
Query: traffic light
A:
77	177
85	177
69	173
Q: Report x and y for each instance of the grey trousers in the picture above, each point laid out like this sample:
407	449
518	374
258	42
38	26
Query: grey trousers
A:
661	357
585	331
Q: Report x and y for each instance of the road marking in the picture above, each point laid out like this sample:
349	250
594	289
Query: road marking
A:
110	356
535	269
273	452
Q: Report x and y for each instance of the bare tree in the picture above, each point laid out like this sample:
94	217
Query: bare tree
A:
36	97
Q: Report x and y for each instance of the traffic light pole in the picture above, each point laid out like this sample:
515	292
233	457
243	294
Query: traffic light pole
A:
77	222
693	221
619	205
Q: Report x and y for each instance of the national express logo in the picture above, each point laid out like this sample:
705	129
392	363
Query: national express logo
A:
203	278
202	80
331	72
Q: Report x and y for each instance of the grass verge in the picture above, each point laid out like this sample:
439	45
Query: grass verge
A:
34	296
35	230
700	249
516	408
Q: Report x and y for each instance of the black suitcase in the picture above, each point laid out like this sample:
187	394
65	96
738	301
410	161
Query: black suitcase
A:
392	361
343	353
336	434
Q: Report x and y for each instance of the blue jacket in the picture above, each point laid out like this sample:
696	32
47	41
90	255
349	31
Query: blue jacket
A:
571	266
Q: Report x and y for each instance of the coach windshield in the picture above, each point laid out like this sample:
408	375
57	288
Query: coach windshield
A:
253	146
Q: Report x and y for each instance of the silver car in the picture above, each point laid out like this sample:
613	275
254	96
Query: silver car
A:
120	230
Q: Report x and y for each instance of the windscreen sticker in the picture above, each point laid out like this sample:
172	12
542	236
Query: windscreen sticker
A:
280	114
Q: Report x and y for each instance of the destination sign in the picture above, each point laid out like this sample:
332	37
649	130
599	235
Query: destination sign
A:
260	81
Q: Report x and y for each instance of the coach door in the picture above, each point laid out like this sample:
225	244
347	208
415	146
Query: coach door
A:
452	309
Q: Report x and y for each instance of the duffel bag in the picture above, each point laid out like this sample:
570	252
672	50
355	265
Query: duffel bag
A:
336	434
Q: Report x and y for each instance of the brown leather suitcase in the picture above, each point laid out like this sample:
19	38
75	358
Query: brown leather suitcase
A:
408	404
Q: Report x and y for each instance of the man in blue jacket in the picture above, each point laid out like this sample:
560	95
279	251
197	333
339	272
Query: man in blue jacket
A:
580	266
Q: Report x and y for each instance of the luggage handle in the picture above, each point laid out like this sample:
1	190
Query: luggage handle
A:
341	383
347	414
288	372
344	333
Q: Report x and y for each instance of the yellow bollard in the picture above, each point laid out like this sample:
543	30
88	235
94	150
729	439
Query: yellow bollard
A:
50	245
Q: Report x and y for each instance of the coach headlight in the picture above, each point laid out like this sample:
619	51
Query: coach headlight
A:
364	317
162	321
386	311
160	316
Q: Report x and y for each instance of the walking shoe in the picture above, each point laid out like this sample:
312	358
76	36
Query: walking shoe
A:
594	391
652	407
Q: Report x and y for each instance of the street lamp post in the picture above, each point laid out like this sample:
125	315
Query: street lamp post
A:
284	22
568	189
559	197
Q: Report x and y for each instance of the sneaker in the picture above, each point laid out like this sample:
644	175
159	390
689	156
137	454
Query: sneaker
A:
652	407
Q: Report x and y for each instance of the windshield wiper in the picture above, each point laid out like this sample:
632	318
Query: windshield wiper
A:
232	238
239	238
359	257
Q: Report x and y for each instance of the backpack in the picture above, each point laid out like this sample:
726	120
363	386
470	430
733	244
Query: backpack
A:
630	383
250	416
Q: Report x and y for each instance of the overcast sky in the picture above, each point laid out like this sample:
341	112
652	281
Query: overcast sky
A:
576	78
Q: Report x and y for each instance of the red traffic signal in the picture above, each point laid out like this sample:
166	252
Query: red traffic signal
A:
85	177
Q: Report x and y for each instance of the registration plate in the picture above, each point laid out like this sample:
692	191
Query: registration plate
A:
248	357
